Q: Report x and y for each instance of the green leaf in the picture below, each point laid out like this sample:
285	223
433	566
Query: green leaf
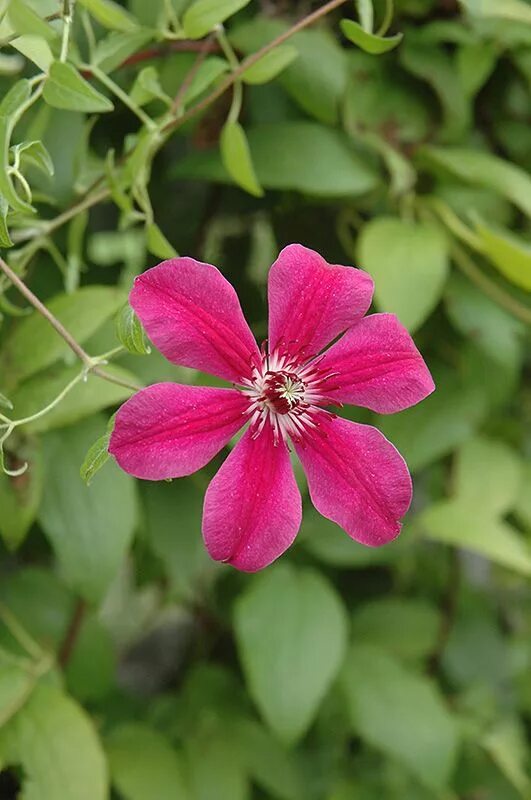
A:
34	345
10	106
97	456
157	243
329	543
88	528
208	73
366	14
55	742
23	19
131	333
406	628
110	14
494	330
237	159
144	765
36	49
506	743
287	673
522	508
84	399
488	475
270	65
409	264
317	79
173	531
147	87
484	169
20	497
475	62
284	156
510	255
269	764
516	10
16	686
440	423
203	15
433	65
369	42
66	88
215	767
36	154
402	713
5	240
92	663
116	48
464	525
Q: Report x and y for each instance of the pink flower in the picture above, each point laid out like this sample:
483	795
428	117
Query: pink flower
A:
252	509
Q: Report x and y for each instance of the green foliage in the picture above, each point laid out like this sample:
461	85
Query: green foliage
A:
389	135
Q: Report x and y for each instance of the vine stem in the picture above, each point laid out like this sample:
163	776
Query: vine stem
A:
97	194
72	632
88	361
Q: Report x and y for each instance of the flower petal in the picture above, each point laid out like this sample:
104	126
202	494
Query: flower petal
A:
193	316
376	365
252	509
356	478
169	430
311	302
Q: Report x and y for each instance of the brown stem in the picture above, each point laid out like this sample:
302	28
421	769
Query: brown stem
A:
248	62
41	308
206	48
72	632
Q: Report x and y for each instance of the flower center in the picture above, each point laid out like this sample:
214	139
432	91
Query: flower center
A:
282	391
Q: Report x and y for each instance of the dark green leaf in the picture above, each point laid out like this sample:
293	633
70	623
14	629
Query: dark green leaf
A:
20	497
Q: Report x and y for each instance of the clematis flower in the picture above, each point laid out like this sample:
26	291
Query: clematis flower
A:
252	509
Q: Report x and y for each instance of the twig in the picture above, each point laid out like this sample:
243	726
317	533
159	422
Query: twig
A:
206	48
41	308
72	632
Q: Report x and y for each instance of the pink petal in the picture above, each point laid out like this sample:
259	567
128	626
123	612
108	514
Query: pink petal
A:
311	302
193	316
357	479
377	366
252	507
169	430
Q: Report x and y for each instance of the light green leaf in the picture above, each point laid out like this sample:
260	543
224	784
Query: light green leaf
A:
491	328
23	19
475	62
328	542
16	686
236	157
34	345
366	14
130	332
404	627
147	87
369	42
523	504
510	255
291	634
55	742
157	243
317	79
215	767
270	65
96	457
116	47
92	665
173	531
144	765
402	713
484	169
409	264
516	10
301	156
488	475
5	240
84	399
464	525
269	764
36	154
66	88
18	94
209	71
203	15
433	428
110	14
20	497
88	528
36	49
507	745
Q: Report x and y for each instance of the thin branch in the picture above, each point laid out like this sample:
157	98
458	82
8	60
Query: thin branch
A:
248	62
72	632
206	48
41	308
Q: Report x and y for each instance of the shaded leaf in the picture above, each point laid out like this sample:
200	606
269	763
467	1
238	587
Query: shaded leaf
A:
66	88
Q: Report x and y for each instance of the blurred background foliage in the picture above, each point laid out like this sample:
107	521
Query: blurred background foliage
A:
391	136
